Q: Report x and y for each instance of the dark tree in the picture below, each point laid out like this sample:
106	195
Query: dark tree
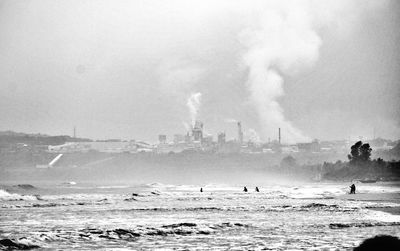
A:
355	152
360	153
288	162
365	152
380	242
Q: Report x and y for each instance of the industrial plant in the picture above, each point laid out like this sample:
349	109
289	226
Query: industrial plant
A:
196	140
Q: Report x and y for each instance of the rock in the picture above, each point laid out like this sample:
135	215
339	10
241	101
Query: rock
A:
380	242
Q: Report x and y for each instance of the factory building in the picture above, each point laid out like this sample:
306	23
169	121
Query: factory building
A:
197	131
162	139
221	138
179	138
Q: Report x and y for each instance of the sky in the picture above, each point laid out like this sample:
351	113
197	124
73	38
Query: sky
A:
136	69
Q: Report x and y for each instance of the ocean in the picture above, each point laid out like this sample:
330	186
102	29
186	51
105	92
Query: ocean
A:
156	216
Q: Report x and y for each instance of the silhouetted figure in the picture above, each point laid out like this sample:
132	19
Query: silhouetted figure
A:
245	189
380	242
257	190
352	189
201	190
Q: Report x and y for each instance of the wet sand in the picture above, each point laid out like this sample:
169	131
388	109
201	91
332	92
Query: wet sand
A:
376	197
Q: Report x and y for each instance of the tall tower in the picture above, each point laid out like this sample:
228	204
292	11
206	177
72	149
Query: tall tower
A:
279	136
240	133
197	131
74	132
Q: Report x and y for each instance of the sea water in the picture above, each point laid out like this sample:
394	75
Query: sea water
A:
158	216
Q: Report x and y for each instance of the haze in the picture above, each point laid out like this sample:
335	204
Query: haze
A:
129	69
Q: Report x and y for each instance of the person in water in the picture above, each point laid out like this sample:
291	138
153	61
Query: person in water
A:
201	190
257	190
245	189
352	189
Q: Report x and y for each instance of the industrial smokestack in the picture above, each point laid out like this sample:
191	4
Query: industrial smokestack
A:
240	133
279	135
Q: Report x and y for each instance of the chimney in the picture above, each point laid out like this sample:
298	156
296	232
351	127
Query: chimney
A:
240	133
279	135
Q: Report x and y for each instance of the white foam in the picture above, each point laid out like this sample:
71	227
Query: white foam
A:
111	187
70	183
6	196
382	216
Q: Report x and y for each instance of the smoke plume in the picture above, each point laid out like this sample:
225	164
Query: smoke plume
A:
194	105
252	135
284	42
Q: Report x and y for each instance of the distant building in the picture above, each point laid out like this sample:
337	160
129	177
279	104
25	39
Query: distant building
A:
313	146
197	131
267	150
101	146
289	149
208	140
162	139
188	138
171	148
69	147
179	138
229	147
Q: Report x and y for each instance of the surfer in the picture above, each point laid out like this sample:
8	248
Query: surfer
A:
245	189
201	190
257	190
352	189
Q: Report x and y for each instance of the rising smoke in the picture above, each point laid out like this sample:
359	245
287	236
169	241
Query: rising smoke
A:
193	104
284	42
252	135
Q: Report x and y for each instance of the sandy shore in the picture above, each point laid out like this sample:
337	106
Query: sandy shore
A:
376	197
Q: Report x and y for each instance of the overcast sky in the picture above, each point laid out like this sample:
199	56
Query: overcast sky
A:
126	69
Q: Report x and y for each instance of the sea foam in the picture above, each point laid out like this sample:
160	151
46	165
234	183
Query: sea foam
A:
6	196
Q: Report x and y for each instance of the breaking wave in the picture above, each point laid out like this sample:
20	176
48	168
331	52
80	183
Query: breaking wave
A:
132	234
363	224
6	196
8	244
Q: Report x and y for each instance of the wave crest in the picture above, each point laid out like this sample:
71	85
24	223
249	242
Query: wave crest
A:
6	196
